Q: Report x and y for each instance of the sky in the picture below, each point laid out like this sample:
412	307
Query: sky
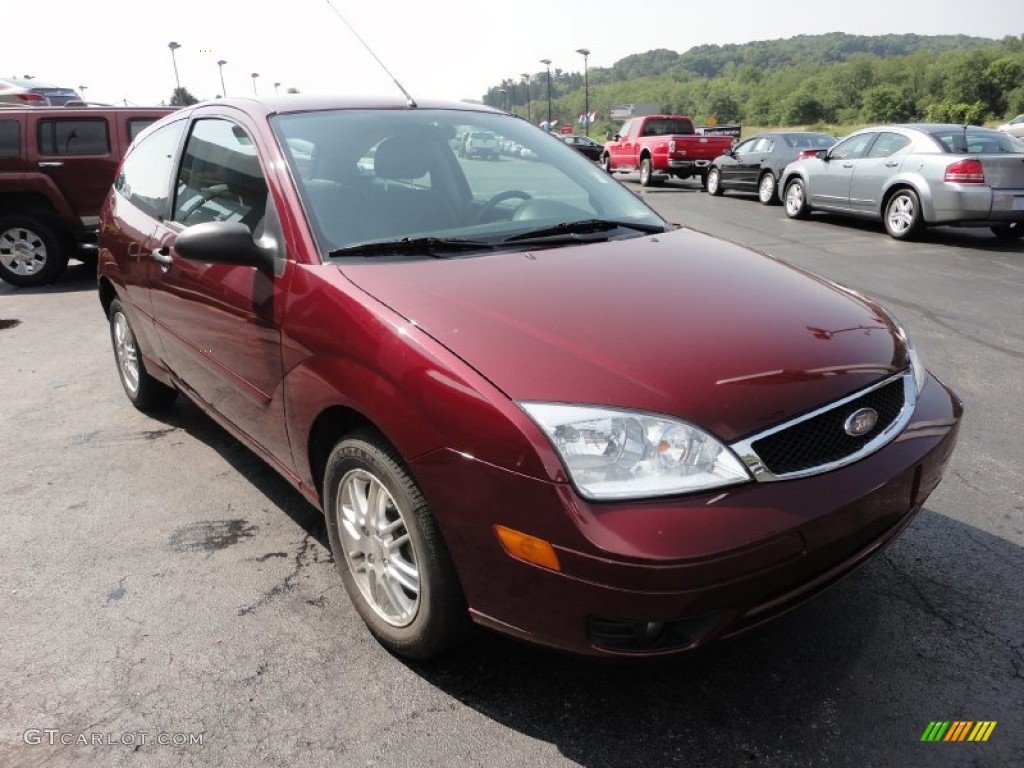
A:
452	49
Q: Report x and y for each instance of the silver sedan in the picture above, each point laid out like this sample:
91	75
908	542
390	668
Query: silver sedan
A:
913	176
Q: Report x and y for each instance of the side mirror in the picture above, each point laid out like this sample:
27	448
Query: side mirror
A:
617	137
219	242
823	154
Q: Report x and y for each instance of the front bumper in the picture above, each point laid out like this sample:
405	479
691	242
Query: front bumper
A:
663	576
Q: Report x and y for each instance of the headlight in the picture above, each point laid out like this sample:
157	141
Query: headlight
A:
616	454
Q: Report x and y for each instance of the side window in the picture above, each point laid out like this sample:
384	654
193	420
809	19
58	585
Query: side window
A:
10	138
74	137
220	177
629	129
137	125
852	148
145	176
746	147
888	144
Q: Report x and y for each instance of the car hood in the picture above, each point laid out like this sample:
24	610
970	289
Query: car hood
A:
679	323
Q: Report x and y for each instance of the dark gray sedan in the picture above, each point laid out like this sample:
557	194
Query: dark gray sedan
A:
913	176
756	164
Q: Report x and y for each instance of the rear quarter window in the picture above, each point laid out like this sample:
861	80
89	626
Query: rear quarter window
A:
74	137
10	138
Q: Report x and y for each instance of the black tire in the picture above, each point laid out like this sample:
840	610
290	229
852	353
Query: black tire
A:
1009	231
903	215
606	164
796	199
714	183
32	252
647	177
704	181
768	189
145	393
415	623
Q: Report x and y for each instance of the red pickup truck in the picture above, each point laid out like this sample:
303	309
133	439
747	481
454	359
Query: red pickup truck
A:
662	145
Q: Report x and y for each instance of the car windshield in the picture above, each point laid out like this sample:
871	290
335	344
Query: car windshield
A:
977	141
387	176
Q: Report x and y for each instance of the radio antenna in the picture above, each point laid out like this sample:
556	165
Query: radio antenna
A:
409	99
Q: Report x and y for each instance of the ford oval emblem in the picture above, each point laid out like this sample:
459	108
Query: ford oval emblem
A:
860	422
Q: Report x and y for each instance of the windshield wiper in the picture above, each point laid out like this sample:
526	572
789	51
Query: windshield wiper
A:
428	246
584	227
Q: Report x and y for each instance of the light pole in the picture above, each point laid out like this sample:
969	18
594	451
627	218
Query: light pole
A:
254	76
584	52
220	67
526	77
547	64
276	86
174	46
504	98
81	90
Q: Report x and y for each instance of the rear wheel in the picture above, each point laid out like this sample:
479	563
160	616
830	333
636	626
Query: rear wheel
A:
389	551
796	200
647	177
145	392
903	215
31	251
766	190
714	185
1010	231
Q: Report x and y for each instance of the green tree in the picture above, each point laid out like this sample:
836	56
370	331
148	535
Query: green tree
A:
182	98
802	108
886	104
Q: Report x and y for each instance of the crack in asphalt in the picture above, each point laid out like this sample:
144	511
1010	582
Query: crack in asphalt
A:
299	562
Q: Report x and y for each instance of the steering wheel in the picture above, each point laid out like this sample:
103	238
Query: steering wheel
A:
494	202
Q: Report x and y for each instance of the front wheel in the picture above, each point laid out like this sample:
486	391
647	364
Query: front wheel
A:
1010	231
31	252
766	190
796	200
146	393
903	215
606	163
714	185
389	552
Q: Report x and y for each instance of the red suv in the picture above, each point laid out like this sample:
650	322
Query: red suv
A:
519	397
56	166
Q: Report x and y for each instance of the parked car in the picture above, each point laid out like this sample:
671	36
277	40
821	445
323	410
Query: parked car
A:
54	95
13	94
756	164
585	145
1015	127
56	166
913	176
481	144
470	379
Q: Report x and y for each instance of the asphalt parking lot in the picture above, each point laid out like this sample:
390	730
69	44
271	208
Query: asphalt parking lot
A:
162	587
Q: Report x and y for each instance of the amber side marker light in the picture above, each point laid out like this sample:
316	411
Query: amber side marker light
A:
529	548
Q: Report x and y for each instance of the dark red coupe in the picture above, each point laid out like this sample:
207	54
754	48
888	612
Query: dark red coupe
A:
520	397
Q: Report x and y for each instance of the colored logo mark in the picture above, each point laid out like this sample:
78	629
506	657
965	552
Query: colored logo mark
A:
958	730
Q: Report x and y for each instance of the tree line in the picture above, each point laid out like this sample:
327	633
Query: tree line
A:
835	79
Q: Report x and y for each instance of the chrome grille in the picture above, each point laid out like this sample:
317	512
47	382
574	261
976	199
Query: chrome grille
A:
818	441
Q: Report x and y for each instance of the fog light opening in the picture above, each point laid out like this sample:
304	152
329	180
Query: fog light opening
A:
631	636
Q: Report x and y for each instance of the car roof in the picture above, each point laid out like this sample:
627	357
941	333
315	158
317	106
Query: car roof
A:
296	103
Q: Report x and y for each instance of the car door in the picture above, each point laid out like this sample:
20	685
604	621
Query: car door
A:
730	166
140	199
628	150
220	324
828	185
871	176
749	165
77	154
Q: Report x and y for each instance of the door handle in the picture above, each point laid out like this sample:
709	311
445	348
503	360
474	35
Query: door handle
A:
891	164
847	165
51	164
163	256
